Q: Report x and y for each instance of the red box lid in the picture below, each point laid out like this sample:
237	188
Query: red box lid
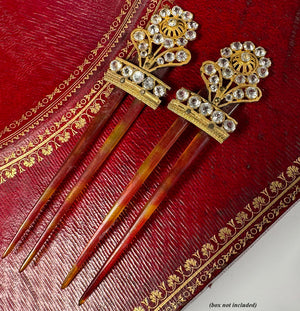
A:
53	57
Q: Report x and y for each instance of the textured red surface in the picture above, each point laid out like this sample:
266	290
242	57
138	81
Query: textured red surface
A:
42	42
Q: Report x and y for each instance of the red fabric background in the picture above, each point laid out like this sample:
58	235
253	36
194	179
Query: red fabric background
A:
42	42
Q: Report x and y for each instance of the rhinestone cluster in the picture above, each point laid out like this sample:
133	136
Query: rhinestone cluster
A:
206	109
138	77
170	29
242	64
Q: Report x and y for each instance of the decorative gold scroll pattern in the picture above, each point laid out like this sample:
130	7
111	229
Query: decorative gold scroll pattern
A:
77	78
60	132
231	240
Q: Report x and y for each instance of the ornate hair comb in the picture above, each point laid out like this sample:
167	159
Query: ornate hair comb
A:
161	45
232	79
241	65
171	28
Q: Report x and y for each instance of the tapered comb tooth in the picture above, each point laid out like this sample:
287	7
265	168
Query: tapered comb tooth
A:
71	275
84	142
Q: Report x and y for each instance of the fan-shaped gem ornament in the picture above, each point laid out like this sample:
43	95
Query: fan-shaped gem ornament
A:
161	44
232	79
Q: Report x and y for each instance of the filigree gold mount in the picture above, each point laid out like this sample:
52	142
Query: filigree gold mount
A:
161	45
232	79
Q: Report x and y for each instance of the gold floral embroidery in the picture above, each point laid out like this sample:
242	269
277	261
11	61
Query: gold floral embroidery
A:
258	202
11	173
206	249
47	150
155	296
275	186
65	137
95	108
293	171
224	233
29	162
241	217
172	280
80	123
190	264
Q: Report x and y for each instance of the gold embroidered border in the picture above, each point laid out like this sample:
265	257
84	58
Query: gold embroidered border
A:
60	132
230	240
119	28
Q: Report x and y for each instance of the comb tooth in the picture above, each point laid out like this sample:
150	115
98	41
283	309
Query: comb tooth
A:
86	139
110	143
192	151
159	151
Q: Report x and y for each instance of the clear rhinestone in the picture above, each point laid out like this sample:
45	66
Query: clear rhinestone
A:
138	77
143	46
181	56
236	46
153	29
229	97
139	35
143	54
223	62
182	41
169	57
194	102
148	83
262	72
168	43
209	69
260	51
156	19
115	65
172	22
182	94
265	62
238	94
206	109
177	10
245	57
165	12
213	88
226	52
249	46
227	73
214	79
229	126
159	91
218	117
240	79
253	79
187	16
192	25
190	35
251	92
127	71
158	38
160	61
